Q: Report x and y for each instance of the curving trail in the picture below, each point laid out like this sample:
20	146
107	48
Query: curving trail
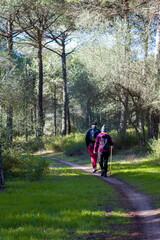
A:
138	206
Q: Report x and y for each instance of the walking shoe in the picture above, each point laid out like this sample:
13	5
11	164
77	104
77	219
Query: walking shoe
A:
94	169
102	173
105	175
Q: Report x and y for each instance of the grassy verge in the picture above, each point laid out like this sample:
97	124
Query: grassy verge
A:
140	172
66	204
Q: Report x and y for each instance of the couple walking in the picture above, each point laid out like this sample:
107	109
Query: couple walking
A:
99	142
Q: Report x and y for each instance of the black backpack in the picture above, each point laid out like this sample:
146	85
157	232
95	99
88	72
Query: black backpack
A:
104	142
93	134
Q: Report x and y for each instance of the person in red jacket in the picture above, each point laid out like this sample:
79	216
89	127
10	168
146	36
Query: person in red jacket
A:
102	146
90	140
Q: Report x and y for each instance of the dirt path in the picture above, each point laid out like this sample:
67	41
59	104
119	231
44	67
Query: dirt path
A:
145	219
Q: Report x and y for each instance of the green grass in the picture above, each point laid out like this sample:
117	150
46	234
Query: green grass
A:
66	204
141	173
80	159
136	169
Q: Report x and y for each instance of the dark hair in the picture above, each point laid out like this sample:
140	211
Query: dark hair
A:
94	123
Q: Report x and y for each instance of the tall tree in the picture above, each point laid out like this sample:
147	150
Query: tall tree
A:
34	20
9	31
62	37
155	111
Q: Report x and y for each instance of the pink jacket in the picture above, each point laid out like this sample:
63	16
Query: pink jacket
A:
98	143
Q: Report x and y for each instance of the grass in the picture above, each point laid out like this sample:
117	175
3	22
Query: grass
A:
141	173
66	204
136	169
80	159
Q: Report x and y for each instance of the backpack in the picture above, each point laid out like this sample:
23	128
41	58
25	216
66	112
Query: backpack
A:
93	134
104	143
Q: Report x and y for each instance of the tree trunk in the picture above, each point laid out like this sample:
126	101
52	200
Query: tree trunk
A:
148	121
32	121
35	120
155	112
143	129
9	38
40	94
25	107
2	182
64	107
25	122
124	113
69	122
55	111
124	107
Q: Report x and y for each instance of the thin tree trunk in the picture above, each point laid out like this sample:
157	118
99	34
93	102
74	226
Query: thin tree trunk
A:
35	120
2	182
55	111
9	38
40	94
124	113
148	121
25	122
143	129
25	107
64	107
32	122
155	112
69	122
124	106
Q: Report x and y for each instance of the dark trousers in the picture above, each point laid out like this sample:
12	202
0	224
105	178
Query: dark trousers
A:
103	160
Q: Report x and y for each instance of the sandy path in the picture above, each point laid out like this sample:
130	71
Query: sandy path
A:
138	205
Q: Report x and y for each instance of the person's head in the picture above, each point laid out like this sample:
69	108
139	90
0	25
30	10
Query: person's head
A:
94	124
104	129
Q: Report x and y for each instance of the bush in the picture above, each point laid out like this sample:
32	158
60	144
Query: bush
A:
12	160
74	144
34	167
53	143
124	141
154	154
29	168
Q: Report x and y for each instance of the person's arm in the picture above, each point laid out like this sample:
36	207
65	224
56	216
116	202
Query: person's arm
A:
96	145
87	138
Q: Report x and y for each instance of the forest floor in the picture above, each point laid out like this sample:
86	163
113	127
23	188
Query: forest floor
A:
145	220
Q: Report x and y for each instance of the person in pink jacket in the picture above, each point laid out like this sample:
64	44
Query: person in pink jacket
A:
102	146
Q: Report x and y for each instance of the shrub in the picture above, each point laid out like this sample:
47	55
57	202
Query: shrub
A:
125	140
74	144
53	143
154	154
29	168
11	160
34	167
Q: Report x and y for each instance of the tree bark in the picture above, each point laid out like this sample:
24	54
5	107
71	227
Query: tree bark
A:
40	94
55	111
155	112
2	182
9	38
69	121
64	107
124	107
124	113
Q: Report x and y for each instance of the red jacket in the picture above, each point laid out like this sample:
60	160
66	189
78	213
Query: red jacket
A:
98	143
